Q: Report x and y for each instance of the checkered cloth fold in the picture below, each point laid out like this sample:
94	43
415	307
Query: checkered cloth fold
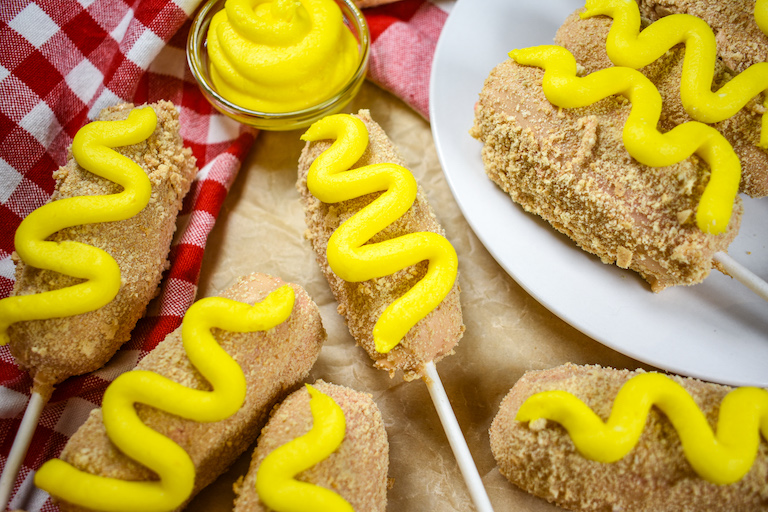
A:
61	62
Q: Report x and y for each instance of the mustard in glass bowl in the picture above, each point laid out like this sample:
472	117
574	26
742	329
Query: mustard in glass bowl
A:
279	64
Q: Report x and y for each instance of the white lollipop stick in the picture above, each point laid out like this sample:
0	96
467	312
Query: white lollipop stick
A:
456	440
20	446
743	275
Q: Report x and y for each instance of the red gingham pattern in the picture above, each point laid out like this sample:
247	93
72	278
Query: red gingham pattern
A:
404	36
61	62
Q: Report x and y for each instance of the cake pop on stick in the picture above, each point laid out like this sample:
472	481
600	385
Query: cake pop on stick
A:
384	255
91	259
324	445
192	405
596	438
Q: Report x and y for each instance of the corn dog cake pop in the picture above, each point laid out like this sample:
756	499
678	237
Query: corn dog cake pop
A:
391	269
691	65
268	349
324	445
383	241
662	210
593	438
58	324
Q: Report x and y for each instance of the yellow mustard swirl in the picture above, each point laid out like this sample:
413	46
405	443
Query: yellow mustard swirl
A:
627	46
349	255
280	55
275	479
641	136
125	429
92	150
721	459
761	15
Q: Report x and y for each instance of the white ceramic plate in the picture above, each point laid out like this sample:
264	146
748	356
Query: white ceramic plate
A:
717	331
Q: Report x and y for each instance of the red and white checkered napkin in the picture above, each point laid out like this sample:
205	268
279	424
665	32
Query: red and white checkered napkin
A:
61	62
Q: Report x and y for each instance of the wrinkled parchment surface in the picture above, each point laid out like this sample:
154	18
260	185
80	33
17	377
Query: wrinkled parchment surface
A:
261	228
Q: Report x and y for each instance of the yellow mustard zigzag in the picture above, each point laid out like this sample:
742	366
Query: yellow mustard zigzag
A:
628	46
349	255
721	459
641	136
761	15
92	150
125	429
275	478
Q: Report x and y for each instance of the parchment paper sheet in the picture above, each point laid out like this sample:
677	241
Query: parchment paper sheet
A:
261	228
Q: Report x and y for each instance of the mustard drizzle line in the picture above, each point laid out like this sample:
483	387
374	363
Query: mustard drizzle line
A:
168	460
92	150
722	459
641	136
332	180
761	15
275	479
628	46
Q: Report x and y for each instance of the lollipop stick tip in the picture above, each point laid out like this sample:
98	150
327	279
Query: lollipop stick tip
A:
456	439
20	446
743	275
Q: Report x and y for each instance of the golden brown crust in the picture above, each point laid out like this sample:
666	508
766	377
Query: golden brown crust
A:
274	363
570	167
361	304
357	470
586	40
655	476
55	349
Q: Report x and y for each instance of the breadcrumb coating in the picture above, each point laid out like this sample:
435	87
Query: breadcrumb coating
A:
570	167
585	39
54	349
274	363
357	470
654	477
432	338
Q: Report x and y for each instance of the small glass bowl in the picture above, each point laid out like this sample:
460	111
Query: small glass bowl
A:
197	57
